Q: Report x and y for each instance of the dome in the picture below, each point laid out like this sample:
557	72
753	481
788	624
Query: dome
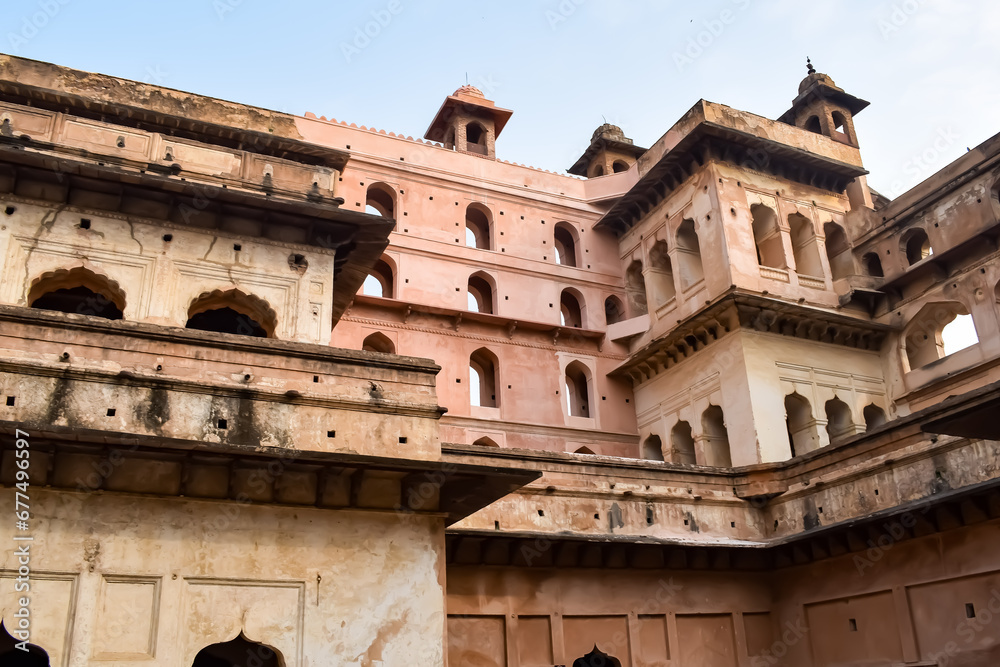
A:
469	91
815	77
609	131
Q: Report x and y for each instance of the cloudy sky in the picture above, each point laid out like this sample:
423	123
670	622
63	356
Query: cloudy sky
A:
929	67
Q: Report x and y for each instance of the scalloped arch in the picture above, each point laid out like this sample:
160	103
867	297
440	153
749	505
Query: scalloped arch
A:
242	302
77	276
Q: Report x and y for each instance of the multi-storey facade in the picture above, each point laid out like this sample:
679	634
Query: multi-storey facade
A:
696	405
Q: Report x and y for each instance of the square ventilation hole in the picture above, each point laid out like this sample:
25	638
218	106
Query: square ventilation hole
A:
10	210
541	512
168	237
852	624
597	516
732	524
331	434
315	378
970	610
820	509
496	525
84	223
10	401
111	412
402	439
237	247
686	522
876	492
222	423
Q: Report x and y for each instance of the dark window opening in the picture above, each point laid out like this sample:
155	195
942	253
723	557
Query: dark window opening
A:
226	320
80	300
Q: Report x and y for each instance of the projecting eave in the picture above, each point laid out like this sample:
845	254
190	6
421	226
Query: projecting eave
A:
712	131
438	127
825	92
579	167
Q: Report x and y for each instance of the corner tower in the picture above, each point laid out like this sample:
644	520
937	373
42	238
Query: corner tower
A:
610	152
469	123
823	108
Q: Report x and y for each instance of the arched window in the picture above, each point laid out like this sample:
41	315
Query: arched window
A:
874	416
873	265
233	312
802	429
838	251
564	240
483	379
378	342
813	125
804	246
598	170
596	658
635	286
584	450
619	166
652	448
570	312
11	656
78	291
682	443
475	137
767	237
480	294
379	281
486	442
478	221
239	651
577	390
713	425
916	245
938	330
839	423
614	310
380	200
689	262
661	274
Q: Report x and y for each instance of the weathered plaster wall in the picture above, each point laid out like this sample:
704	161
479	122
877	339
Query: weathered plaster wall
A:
151	581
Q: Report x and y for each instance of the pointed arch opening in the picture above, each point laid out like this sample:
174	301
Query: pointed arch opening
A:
873	265
652	448
635	287
483	366
805	248
475	137
237	653
79	291
713	426
937	331
916	246
838	251
571	309
597	658
839	422
661	275
801	425
813	125
614	310
618	166
874	416
380	281
682	444
233	312
564	239
378	342
481	297
486	442
11	656
577	386
584	450
767	237
380	199
690	266
478	227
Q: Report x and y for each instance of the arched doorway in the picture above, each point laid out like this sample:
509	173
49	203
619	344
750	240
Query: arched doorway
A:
238	652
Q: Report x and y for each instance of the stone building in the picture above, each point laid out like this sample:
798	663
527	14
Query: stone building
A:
282	390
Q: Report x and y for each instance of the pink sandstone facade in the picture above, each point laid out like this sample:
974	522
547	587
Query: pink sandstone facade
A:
303	393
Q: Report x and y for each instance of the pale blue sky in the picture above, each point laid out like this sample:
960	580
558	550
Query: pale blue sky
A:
929	67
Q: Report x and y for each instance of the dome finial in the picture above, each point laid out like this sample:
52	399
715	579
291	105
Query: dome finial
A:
809	66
